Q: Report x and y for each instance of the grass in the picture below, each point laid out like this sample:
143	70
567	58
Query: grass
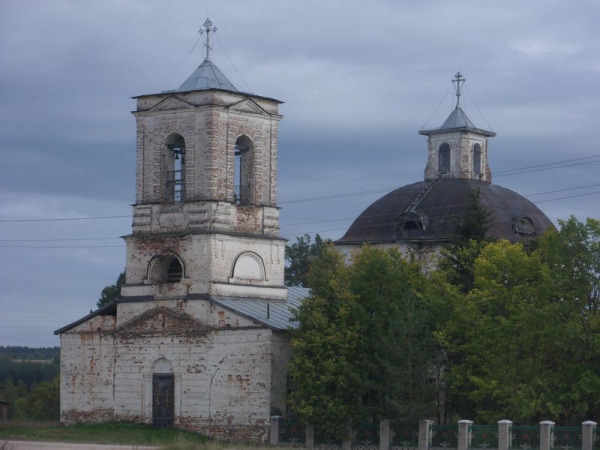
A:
123	433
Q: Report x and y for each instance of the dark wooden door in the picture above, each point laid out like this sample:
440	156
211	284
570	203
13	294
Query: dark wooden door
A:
163	400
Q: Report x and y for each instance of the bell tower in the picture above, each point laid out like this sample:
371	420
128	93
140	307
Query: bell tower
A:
205	218
458	149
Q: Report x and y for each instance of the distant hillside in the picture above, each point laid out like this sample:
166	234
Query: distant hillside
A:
29	381
30	353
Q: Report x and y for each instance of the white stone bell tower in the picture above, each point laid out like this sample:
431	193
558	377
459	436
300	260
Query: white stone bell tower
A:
458	149
205	219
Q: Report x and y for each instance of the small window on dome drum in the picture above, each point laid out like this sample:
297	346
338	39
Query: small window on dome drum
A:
477	159
444	158
174	272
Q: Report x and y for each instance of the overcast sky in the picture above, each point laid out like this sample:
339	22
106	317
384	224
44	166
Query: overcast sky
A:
359	79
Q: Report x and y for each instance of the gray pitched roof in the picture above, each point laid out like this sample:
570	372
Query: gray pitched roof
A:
207	76
276	315
458	121
279	311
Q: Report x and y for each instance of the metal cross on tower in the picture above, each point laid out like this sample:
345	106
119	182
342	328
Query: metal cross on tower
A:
457	80
209	30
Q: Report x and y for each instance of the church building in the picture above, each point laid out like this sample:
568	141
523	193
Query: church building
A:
198	337
418	218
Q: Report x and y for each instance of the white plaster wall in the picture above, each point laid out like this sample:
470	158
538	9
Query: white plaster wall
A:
86	371
426	255
208	260
222	378
461	155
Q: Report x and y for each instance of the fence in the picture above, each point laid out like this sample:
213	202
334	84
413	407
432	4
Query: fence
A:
386	435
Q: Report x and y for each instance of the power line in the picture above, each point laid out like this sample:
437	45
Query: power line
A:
522	170
338	219
59	219
60	247
60	239
549	164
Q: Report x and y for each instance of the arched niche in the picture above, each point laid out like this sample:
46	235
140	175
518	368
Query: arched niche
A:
248	266
162	365
166	268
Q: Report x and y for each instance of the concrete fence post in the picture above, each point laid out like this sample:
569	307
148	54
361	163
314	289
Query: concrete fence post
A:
546	435
464	434
425	434
310	437
274	431
384	435
588	435
504	434
347	441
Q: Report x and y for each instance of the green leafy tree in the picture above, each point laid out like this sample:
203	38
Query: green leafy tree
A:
397	343
525	341
325	368
299	256
45	401
469	236
112	292
363	348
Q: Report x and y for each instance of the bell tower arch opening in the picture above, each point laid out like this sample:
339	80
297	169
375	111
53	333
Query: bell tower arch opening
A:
165	268
175	168
244	171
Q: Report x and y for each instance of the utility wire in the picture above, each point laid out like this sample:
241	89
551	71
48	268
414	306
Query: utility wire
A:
436	109
63	219
523	170
395	214
183	62
477	107
230	60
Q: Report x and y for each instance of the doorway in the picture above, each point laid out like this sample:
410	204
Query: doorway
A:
163	400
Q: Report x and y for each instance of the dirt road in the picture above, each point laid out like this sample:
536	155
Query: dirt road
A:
31	445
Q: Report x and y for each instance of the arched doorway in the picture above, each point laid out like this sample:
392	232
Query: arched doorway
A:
163	394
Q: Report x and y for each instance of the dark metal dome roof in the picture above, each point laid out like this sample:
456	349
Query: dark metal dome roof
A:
425	211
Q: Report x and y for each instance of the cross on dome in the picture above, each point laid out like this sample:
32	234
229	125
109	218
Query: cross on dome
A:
209	30
457	80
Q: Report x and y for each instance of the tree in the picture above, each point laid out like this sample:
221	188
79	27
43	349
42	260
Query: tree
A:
324	367
45	400
112	292
397	342
362	348
469	236
299	256
525	341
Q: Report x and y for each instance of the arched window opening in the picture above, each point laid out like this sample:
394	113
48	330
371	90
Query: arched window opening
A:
411	221
175	191
165	269
174	272
477	159
524	226
444	158
242	189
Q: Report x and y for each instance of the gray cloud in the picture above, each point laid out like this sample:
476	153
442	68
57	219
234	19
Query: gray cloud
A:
359	79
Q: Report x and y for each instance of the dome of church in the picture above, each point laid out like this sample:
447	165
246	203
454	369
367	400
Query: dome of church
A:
425	212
